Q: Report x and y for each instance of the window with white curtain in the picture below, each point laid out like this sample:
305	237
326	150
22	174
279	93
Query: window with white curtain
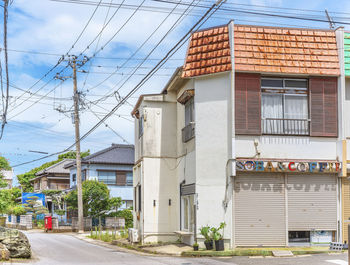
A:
284	104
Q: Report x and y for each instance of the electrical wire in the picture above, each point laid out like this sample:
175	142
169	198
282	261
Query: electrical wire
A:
98	42
138	49
133	72
60	60
171	52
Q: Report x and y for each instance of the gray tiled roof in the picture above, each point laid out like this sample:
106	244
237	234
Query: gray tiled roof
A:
116	154
58	168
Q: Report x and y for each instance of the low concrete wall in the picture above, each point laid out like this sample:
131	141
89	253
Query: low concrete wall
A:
87	223
115	222
26	222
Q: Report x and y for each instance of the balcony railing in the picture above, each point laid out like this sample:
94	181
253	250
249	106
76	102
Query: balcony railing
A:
54	186
279	126
188	132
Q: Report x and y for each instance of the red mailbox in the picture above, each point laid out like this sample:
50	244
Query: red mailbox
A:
48	223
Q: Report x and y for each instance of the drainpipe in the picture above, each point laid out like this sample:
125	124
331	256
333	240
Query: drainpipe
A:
232	144
342	143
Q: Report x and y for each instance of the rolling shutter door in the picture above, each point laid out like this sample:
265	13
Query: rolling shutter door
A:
260	210
312	202
346	207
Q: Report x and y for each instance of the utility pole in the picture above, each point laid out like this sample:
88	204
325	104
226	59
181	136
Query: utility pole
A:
330	20
74	63
77	145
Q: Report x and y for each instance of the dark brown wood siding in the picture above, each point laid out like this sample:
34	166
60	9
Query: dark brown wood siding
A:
323	106
247	104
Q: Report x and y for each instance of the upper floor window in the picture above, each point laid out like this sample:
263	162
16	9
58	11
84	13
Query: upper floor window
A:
74	177
119	178
284	106
188	130
189	112
140	126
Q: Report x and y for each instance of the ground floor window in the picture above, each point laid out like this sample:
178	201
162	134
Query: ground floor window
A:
187	213
128	204
299	236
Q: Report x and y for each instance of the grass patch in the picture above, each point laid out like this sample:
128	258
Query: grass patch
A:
107	236
255	252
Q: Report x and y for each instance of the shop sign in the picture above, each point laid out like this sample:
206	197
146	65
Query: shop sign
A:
291	166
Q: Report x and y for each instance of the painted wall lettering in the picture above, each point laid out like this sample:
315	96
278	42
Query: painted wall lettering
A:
291	166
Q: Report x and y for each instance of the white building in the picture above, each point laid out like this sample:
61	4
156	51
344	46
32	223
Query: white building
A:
8	177
259	148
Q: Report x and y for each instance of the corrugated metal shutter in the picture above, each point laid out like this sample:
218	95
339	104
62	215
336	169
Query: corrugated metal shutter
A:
346	207
323	106
247	104
260	210
312	202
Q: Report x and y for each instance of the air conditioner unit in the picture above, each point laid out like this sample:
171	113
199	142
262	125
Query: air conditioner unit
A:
133	235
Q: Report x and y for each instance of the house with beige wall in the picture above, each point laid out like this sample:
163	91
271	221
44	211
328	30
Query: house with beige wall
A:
251	131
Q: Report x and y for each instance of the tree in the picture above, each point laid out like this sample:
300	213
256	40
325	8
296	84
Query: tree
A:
36	208
96	199
16	210
24	179
8	198
4	164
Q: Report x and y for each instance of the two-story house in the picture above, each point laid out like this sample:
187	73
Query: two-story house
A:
250	132
55	177
112	166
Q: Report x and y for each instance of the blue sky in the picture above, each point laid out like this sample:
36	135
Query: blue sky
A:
52	27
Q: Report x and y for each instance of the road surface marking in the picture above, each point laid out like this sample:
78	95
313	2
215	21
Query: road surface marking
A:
338	261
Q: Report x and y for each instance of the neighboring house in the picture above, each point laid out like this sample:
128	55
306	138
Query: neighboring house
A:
8	177
112	166
344	39
252	132
55	177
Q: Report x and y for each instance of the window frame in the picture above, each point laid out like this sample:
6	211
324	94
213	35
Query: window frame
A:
189	106
141	126
190	199
286	91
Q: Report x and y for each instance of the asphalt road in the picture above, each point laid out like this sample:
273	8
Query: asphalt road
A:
57	249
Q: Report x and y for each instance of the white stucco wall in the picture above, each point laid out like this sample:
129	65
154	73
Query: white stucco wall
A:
287	147
213	137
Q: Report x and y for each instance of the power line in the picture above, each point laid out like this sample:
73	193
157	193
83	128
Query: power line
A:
115	34
133	72
261	13
116	133
171	52
98	42
86	25
97	57
61	59
142	45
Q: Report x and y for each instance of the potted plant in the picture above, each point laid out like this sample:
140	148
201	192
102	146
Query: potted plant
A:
195	246
218	237
208	241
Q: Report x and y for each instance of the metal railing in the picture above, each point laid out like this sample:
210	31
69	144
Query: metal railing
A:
280	126
53	186
188	132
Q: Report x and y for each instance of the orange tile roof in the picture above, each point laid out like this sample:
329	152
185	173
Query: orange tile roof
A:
208	53
263	49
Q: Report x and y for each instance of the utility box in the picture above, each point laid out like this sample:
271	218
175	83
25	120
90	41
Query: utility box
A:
48	223
133	235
